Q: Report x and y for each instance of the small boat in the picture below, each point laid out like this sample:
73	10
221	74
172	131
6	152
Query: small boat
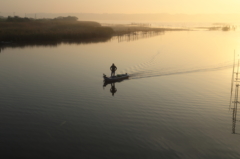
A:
118	77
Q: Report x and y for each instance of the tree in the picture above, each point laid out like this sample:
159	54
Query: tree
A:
69	18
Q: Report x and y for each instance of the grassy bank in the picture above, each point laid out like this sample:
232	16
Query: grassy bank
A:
52	31
121	29
64	29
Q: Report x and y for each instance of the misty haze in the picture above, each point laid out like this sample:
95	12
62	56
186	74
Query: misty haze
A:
119	79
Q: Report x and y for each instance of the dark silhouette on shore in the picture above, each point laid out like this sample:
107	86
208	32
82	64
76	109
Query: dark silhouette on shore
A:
25	19
16	29
27	30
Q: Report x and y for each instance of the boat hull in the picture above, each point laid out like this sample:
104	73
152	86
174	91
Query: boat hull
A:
115	78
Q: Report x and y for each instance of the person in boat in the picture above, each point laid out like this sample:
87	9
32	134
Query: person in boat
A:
113	89
113	68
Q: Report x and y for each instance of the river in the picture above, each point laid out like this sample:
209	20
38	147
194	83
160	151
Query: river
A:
175	104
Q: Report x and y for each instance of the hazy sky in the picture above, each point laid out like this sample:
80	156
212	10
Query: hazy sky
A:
120	6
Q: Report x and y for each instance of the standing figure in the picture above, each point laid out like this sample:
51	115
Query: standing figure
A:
113	68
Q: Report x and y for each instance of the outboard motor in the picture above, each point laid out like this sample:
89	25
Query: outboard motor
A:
104	76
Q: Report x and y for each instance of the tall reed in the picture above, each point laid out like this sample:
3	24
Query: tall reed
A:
52	30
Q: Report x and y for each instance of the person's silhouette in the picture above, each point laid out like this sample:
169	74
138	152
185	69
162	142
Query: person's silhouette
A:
113	68
113	89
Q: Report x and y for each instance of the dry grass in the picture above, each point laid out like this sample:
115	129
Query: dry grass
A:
52	31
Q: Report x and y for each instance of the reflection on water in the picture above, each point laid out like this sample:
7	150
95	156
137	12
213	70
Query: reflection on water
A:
52	101
52	43
234	120
138	35
113	88
235	82
125	37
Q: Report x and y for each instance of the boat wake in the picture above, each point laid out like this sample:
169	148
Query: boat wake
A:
155	73
146	69
142	66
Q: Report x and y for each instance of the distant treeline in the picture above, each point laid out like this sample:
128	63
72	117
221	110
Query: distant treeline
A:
25	19
223	28
17	29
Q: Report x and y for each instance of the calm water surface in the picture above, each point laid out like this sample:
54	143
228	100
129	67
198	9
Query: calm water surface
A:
175	104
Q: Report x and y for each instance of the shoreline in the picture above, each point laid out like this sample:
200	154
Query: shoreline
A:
56	32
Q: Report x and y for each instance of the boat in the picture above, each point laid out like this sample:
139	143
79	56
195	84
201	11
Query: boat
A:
105	83
118	77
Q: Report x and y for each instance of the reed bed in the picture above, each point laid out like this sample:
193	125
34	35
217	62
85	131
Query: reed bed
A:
52	31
